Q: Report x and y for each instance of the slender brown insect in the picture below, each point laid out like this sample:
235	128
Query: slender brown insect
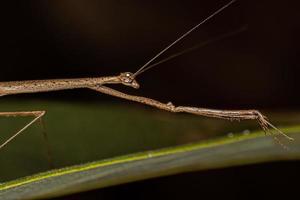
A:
128	79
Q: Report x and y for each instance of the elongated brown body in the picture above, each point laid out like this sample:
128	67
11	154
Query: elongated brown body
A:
33	86
127	79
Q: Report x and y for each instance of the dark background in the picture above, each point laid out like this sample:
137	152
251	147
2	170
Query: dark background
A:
255	69
62	39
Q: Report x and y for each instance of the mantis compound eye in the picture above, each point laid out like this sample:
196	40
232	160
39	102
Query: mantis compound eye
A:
128	79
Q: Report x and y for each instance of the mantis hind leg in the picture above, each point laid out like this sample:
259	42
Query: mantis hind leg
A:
37	118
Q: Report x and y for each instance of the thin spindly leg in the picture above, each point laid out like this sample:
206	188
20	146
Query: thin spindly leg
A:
223	114
37	117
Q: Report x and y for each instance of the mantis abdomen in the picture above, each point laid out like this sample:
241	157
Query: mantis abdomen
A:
33	86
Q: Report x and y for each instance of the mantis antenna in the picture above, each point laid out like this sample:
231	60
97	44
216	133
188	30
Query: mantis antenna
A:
197	46
181	37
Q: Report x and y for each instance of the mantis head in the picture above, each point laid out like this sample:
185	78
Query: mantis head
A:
128	79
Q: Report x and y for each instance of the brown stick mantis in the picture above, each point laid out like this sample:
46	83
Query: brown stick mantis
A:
127	79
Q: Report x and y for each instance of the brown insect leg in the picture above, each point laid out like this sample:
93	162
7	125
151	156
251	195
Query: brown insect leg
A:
223	114
37	116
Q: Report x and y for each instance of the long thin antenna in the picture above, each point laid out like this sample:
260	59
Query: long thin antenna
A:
183	36
193	48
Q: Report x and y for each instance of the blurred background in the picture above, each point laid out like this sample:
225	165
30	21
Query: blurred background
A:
257	68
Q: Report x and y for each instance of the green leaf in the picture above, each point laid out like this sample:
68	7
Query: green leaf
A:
113	134
224	152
